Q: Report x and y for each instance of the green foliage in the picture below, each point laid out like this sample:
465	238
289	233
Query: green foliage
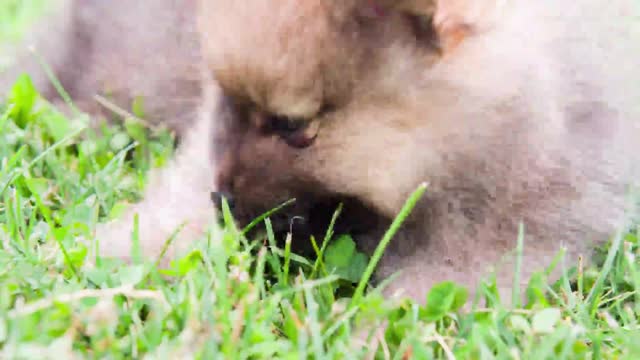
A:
17	15
443	299
342	259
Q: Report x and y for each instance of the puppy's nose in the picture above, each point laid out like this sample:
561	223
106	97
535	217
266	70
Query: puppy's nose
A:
217	196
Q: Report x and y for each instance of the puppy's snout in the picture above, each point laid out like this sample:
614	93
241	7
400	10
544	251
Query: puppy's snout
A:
217	196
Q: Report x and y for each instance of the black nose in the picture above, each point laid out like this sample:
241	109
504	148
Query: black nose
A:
217	196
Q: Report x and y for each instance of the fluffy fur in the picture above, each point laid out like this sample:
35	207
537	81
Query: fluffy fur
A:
511	111
120	50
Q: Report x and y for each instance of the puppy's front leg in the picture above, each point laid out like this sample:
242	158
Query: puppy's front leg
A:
178	195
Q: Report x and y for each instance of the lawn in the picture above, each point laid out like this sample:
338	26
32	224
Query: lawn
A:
233	297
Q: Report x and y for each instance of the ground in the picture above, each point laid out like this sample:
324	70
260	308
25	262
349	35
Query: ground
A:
235	297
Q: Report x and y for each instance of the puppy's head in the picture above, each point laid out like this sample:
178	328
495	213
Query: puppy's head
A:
319	104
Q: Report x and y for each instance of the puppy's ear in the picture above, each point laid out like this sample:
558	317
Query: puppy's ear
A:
445	23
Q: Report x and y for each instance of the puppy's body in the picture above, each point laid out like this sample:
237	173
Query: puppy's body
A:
511	111
121	50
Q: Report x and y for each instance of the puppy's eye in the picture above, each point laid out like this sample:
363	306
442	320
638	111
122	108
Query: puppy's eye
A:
296	133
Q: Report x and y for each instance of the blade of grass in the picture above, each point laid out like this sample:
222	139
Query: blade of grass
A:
287	256
46	214
259	275
168	242
325	241
41	156
55	82
271	238
596	290
393	229
515	297
257	220
314	324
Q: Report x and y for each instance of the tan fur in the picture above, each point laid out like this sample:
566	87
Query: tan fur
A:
524	112
511	111
118	49
177	199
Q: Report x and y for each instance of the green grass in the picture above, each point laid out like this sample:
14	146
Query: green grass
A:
17	15
233	297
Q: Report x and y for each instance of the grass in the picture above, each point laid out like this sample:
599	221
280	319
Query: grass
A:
232	297
16	15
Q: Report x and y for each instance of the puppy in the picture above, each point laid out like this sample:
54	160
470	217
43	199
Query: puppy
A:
122	51
512	112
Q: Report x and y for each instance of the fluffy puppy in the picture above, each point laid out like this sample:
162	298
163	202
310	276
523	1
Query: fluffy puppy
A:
513	112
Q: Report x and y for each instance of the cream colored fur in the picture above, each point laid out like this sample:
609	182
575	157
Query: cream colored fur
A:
531	118
527	114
